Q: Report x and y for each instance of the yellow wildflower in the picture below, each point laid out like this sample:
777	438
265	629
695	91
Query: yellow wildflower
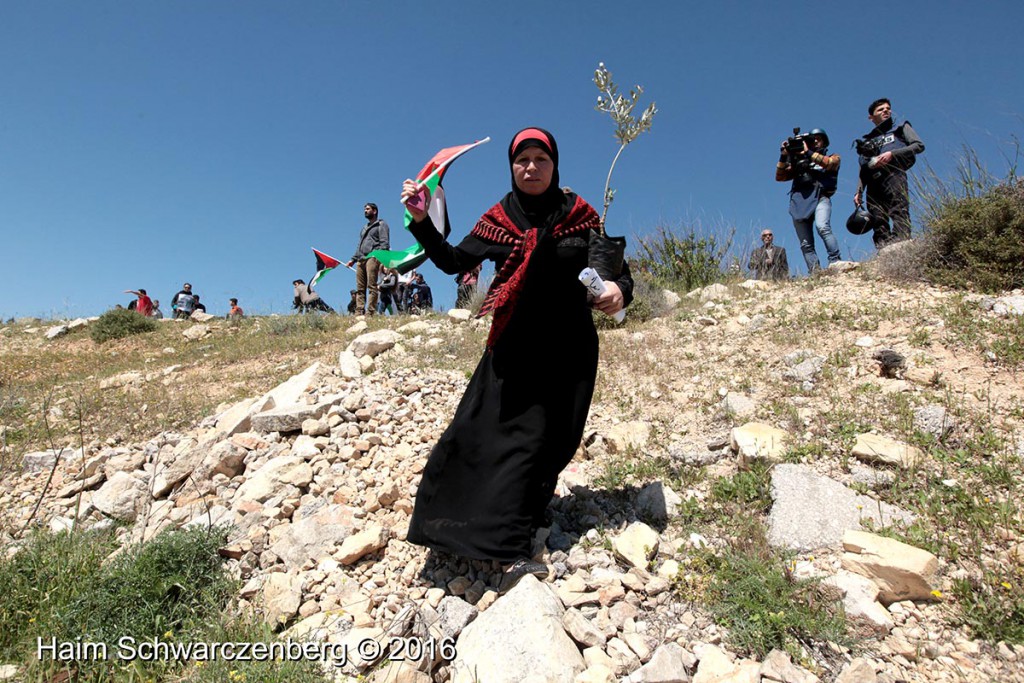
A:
1007	585
936	593
169	635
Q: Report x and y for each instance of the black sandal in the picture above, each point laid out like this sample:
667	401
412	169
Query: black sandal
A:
518	570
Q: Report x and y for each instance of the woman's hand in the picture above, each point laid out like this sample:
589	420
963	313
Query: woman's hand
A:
410	188
611	301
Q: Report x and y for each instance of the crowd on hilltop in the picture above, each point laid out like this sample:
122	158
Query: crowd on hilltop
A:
183	304
882	207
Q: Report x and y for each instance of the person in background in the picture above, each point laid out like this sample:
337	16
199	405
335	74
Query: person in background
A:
306	300
768	262
885	155
235	310
143	304
466	286
388	288
374	235
157	313
422	299
184	302
199	307
815	176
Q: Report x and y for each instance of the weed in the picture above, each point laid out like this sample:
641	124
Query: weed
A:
993	605
685	260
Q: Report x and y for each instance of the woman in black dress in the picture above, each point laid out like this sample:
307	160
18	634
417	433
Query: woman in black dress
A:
492	473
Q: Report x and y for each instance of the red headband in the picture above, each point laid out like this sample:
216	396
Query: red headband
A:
532	134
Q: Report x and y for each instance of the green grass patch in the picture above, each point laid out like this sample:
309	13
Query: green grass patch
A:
173	589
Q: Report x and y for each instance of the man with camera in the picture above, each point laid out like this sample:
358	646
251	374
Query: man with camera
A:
815	174
885	155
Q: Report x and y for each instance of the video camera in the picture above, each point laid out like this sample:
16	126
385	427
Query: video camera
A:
868	148
795	148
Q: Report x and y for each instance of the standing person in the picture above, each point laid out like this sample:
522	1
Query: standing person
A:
492	473
815	176
143	304
467	287
388	286
405	280
422	299
184	302
768	262
157	313
235	311
885	155
374	235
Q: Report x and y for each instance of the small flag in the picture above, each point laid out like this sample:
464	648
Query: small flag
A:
324	265
429	177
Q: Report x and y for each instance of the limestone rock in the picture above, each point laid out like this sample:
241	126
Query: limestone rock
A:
637	544
1009	305
667	665
520	636
901	571
738	405
756	285
627	435
121	497
56	331
374	343
264	482
312	537
777	666
860	602
858	671
455	614
670	298
758	441
812	511
843	267
292	390
595	673
288	418
934	420
201	316
878	448
362	543
180	463
348	364
237	418
44	460
460	314
122	380
196	332
581	630
714	292
282	595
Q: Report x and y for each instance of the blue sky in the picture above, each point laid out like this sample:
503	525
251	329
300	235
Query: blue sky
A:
143	144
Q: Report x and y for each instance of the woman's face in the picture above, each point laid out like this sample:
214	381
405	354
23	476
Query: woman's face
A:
532	169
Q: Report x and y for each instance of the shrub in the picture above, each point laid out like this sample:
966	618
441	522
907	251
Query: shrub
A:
685	260
120	323
978	241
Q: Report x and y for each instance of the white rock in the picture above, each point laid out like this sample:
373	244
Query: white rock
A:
758	441
282	595
460	314
121	497
374	343
878	448
901	571
637	544
349	366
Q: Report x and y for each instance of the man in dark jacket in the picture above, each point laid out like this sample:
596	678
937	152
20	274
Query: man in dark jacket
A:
885	155
768	262
374	235
184	302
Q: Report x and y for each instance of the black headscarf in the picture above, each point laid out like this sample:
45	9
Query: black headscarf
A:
536	211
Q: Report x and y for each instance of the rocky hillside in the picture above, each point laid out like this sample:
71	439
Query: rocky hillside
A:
863	442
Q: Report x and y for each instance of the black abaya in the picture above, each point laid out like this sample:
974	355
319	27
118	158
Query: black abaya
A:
489	478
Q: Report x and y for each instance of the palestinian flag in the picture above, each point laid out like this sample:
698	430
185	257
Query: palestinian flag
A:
324	265
430	178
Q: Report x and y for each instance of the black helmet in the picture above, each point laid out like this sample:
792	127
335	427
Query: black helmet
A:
822	133
859	222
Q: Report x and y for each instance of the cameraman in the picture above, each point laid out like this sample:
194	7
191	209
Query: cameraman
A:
885	155
815	174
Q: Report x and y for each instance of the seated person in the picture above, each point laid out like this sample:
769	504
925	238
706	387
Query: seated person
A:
306	300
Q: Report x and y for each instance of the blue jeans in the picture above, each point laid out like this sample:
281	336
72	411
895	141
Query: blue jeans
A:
821	221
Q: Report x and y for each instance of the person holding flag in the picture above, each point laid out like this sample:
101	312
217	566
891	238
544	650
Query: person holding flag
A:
488	481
